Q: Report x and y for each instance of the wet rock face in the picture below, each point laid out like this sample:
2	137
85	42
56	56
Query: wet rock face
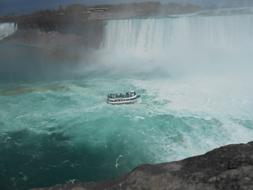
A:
226	168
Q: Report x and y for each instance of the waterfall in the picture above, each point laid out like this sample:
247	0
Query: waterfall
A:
7	29
179	34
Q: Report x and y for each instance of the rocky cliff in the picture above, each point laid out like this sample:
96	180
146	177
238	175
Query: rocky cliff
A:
226	168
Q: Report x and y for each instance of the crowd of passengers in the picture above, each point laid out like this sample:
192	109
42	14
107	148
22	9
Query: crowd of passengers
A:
127	95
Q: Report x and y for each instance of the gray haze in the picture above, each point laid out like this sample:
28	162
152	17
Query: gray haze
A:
23	6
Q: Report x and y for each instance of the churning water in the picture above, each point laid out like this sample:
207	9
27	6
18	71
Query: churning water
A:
194	76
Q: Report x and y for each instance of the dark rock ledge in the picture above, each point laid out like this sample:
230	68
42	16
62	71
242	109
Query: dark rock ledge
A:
226	168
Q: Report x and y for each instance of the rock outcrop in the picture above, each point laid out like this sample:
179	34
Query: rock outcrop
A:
226	168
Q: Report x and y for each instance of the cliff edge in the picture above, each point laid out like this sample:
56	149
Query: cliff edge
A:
226	168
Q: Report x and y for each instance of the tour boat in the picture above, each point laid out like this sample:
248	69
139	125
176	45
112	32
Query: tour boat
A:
127	98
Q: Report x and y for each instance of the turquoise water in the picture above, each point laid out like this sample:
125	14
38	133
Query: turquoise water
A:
196	95
52	132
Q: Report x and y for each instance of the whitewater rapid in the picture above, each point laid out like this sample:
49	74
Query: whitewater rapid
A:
7	29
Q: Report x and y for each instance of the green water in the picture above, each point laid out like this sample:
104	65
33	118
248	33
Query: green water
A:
53	132
194	75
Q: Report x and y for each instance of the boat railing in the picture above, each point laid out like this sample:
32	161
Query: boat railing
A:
124	96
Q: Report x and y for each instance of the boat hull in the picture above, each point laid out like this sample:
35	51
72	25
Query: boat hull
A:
120	102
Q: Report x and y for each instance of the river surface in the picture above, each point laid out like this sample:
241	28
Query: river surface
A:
193	73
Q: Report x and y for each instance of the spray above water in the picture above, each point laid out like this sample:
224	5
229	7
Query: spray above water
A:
203	63
186	42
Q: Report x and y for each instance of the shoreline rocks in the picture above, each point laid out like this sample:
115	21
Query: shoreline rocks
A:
226	168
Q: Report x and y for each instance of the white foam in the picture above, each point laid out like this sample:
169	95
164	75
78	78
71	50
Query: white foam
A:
7	29
195	66
156	36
